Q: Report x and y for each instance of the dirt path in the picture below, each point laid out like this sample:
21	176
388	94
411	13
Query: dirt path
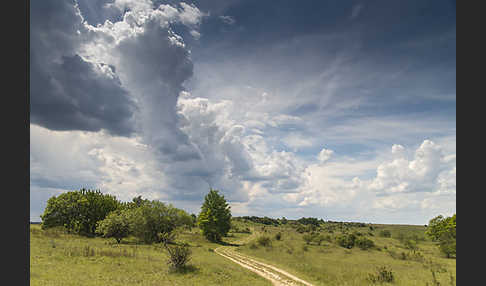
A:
277	276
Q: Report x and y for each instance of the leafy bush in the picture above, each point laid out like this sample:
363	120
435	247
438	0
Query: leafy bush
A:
346	240
278	236
116	225
364	243
383	275
154	221
443	230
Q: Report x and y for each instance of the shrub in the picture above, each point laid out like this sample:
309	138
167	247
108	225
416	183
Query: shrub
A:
319	239
278	236
154	221
383	275
346	240
264	241
179	255
385	233
364	243
253	245
411	244
308	238
116	225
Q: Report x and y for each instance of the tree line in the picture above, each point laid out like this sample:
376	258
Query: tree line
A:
92	213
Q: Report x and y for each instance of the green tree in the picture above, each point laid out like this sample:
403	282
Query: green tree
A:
78	211
155	221
215	216
116	225
443	231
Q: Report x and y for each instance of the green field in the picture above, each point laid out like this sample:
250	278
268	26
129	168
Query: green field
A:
331	264
57	258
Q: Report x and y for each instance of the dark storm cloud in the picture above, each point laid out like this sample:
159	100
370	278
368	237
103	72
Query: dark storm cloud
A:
67	92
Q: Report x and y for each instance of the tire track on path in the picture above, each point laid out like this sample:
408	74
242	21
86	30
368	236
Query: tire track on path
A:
277	276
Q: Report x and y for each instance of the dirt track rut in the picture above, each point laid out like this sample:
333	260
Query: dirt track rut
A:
277	276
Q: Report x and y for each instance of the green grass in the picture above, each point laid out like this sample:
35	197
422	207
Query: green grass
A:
57	258
330	264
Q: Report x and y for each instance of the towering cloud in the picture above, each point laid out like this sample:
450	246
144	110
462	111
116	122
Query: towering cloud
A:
67	92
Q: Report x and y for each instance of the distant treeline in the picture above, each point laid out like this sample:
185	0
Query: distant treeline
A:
304	220
262	220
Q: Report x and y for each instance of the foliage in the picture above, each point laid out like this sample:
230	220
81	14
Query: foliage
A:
385	233
443	230
179	255
116	225
78	211
304	228
308	238
263	220
278	236
383	275
411	244
215	216
364	243
154	221
309	220
346	240
264	241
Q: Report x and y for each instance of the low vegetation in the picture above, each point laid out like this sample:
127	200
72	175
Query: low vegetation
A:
146	242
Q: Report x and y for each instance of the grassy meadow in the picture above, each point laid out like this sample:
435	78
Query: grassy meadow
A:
331	264
58	258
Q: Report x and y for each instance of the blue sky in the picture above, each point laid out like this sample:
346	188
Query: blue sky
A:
338	110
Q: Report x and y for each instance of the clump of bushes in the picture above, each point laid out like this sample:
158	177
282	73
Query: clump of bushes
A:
346	240
316	238
383	275
264	241
364	243
78	211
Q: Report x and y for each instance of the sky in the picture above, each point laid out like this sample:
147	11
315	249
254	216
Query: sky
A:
340	110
